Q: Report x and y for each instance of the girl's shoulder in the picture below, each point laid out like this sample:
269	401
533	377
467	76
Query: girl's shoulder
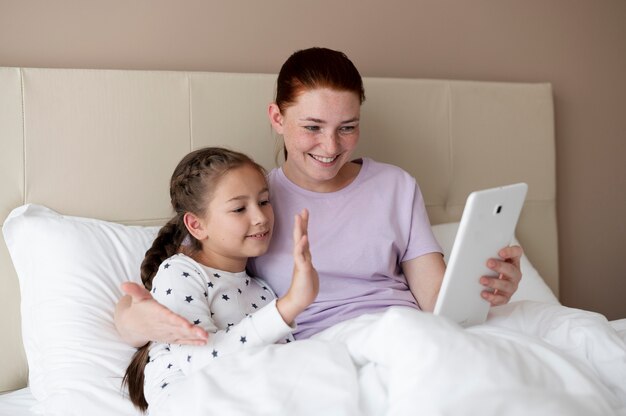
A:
180	259
181	264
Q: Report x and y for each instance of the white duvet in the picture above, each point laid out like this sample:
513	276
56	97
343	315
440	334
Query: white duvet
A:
530	358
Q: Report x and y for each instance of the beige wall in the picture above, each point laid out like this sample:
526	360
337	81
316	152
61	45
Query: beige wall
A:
579	46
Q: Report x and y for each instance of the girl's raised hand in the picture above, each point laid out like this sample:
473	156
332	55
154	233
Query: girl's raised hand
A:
304	282
305	278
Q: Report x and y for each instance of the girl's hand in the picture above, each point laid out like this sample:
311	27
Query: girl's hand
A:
503	286
140	319
305	281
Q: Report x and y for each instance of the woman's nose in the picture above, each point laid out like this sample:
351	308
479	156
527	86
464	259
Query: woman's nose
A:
331	142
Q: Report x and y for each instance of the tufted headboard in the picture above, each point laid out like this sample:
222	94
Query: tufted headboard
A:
103	143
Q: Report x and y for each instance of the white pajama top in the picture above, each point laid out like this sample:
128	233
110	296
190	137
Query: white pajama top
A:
237	311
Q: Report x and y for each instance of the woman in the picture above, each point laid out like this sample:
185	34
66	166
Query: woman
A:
370	235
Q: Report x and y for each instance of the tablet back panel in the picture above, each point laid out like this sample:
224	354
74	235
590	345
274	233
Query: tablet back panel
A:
487	225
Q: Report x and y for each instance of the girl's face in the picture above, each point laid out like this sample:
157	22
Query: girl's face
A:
321	131
238	221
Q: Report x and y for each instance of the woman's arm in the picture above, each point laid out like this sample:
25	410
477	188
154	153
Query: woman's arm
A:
140	319
424	275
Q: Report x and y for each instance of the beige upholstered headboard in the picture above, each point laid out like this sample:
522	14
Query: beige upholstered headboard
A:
102	143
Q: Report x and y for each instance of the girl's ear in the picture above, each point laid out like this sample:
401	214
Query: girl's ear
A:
276	118
195	226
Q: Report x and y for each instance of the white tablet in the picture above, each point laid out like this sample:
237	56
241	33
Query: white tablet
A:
487	225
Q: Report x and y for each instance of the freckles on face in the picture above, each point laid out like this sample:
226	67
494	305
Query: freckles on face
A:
321	131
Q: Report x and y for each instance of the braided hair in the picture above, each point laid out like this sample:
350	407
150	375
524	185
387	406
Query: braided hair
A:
191	189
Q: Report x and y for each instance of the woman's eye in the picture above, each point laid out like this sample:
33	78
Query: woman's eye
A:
312	128
347	129
238	210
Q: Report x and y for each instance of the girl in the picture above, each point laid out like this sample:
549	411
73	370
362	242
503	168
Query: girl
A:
196	267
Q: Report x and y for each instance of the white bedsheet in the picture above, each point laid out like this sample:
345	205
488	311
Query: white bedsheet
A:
19	403
530	358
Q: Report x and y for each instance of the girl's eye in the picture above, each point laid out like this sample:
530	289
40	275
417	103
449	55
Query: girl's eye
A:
264	202
312	128
238	210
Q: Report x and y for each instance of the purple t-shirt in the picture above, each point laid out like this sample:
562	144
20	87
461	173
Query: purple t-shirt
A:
358	236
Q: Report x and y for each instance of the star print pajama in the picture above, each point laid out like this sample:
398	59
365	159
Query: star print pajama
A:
237	310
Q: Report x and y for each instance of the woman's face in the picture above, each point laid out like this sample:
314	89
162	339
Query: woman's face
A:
321	131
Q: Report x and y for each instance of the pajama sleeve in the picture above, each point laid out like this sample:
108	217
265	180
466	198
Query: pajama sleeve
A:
182	287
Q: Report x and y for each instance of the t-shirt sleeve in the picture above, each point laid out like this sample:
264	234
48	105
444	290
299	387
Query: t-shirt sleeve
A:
421	238
181	287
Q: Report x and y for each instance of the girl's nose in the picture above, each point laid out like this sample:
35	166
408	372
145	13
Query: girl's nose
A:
258	216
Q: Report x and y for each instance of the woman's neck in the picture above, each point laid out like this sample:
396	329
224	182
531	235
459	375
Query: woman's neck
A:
346	175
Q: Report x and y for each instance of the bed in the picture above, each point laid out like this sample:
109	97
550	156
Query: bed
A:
85	159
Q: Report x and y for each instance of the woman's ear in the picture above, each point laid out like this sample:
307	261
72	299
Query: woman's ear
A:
276	118
195	226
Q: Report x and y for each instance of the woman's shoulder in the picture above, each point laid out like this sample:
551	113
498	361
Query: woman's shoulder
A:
385	171
274	173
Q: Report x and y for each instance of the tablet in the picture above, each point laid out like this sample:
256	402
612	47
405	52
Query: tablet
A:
487	225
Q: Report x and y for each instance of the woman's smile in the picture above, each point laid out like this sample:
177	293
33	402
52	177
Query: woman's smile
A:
321	131
323	159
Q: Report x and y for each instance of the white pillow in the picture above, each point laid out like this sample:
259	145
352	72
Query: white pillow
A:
70	270
531	287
